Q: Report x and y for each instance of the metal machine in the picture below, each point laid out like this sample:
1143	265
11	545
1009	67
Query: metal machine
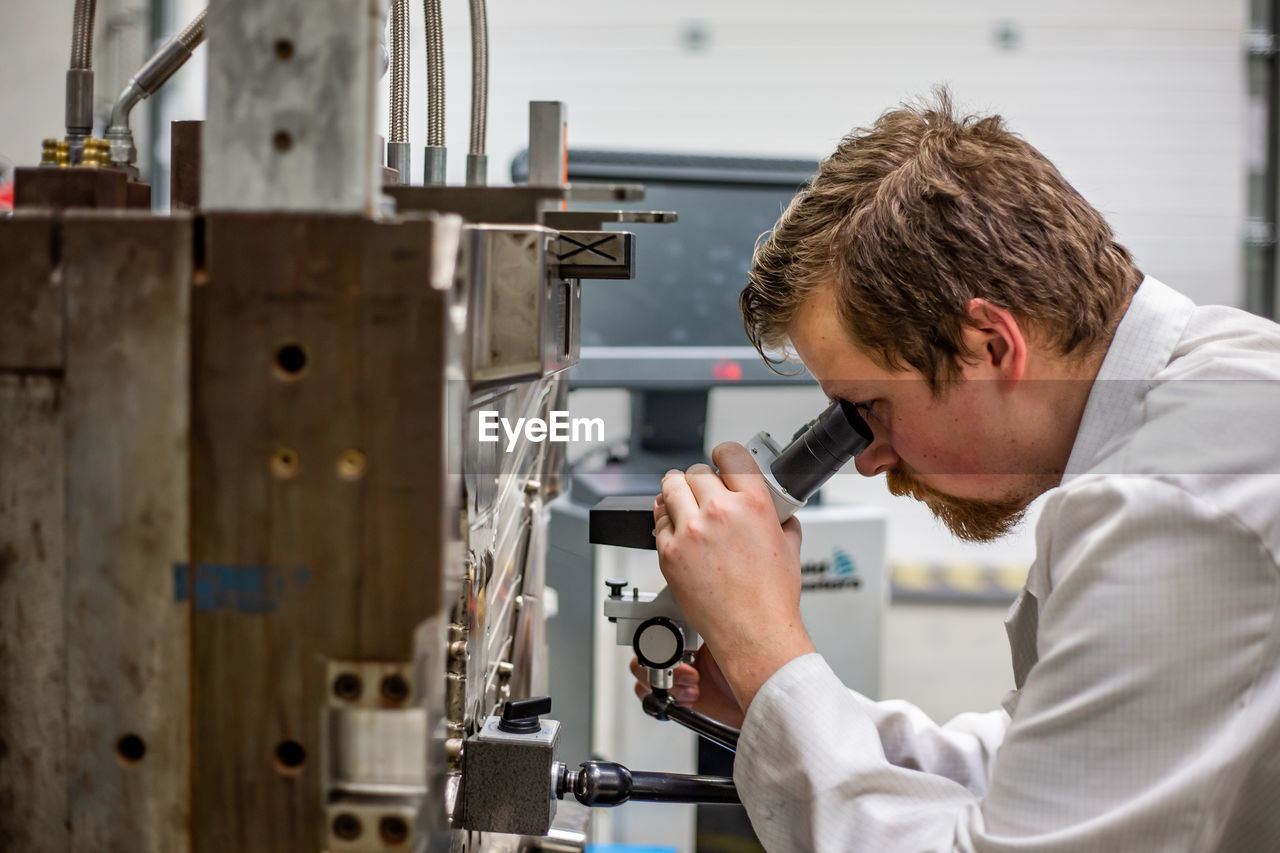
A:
259	583
262	586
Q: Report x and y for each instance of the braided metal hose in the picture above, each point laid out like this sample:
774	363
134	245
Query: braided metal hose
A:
399	71
435	73
193	35
157	70
479	76
82	35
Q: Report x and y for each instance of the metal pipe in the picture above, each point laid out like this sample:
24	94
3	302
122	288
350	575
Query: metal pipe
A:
82	35
398	136
157	70
79	90
435	153
659	705
477	161
605	783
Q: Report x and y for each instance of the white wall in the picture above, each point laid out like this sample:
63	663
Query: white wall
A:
35	47
1140	102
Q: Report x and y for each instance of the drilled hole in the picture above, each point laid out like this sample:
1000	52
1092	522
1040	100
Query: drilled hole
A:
282	141
347	826
284	50
285	462
131	748
394	688
289	756
393	830
291	361
347	686
351	464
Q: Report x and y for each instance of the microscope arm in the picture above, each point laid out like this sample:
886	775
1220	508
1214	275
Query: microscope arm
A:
659	705
604	783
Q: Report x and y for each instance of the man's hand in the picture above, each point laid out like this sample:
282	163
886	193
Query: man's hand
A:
734	571
701	687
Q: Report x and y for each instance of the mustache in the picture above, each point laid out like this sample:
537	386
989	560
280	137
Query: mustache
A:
969	519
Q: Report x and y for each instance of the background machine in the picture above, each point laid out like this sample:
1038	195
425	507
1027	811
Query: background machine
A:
261	587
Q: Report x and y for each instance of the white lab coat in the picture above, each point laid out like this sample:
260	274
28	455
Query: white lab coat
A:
1146	644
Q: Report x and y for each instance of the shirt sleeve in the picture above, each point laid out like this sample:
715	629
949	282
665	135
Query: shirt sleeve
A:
1159	619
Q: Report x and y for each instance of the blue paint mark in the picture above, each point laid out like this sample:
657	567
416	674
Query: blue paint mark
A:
248	589
628	848
842	565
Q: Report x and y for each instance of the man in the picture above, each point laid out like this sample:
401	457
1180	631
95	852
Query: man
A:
942	275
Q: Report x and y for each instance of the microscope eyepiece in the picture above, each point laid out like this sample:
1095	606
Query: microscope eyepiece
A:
820	449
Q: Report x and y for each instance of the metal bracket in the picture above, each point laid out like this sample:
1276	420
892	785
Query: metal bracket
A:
375	762
595	254
592	220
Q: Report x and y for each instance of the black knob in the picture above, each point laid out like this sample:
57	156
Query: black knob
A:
615	588
520	716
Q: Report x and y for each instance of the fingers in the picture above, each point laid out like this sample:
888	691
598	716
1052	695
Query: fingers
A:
703	482
661	518
791	529
738	469
677	497
685	690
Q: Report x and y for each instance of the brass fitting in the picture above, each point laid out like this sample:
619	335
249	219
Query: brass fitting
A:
49	152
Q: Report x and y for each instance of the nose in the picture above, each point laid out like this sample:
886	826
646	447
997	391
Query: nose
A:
877	458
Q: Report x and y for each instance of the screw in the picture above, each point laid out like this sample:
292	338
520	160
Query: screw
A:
347	686
394	688
393	830
347	826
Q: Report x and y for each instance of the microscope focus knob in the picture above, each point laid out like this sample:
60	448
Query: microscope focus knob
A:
616	587
658	643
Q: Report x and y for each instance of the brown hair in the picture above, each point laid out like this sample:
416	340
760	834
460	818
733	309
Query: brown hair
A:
923	211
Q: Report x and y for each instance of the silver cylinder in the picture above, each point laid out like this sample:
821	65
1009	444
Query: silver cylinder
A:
160	67
433	171
79	102
398	158
477	170
661	679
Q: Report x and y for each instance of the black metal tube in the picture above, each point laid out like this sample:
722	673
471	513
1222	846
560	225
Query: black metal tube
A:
820	449
659	705
606	783
680	788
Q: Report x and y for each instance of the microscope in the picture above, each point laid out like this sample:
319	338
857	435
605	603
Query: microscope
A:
520	745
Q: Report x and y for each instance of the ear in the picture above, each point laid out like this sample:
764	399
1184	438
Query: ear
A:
995	341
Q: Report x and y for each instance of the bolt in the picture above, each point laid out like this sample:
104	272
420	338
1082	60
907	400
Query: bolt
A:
393	830
347	826
347	686
394	688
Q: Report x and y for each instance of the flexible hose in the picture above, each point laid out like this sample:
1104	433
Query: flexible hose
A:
399	71
193	35
435	73
479	76
82	35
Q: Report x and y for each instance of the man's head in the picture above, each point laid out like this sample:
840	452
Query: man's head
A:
940	250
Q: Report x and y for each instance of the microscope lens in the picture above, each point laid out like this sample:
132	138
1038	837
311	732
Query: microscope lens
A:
821	449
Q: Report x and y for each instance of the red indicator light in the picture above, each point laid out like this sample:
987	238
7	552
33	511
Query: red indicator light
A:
727	370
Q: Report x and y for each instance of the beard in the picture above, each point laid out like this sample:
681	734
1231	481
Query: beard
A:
970	519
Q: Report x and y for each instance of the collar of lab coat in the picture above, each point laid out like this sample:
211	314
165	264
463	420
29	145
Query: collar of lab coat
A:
1142	346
